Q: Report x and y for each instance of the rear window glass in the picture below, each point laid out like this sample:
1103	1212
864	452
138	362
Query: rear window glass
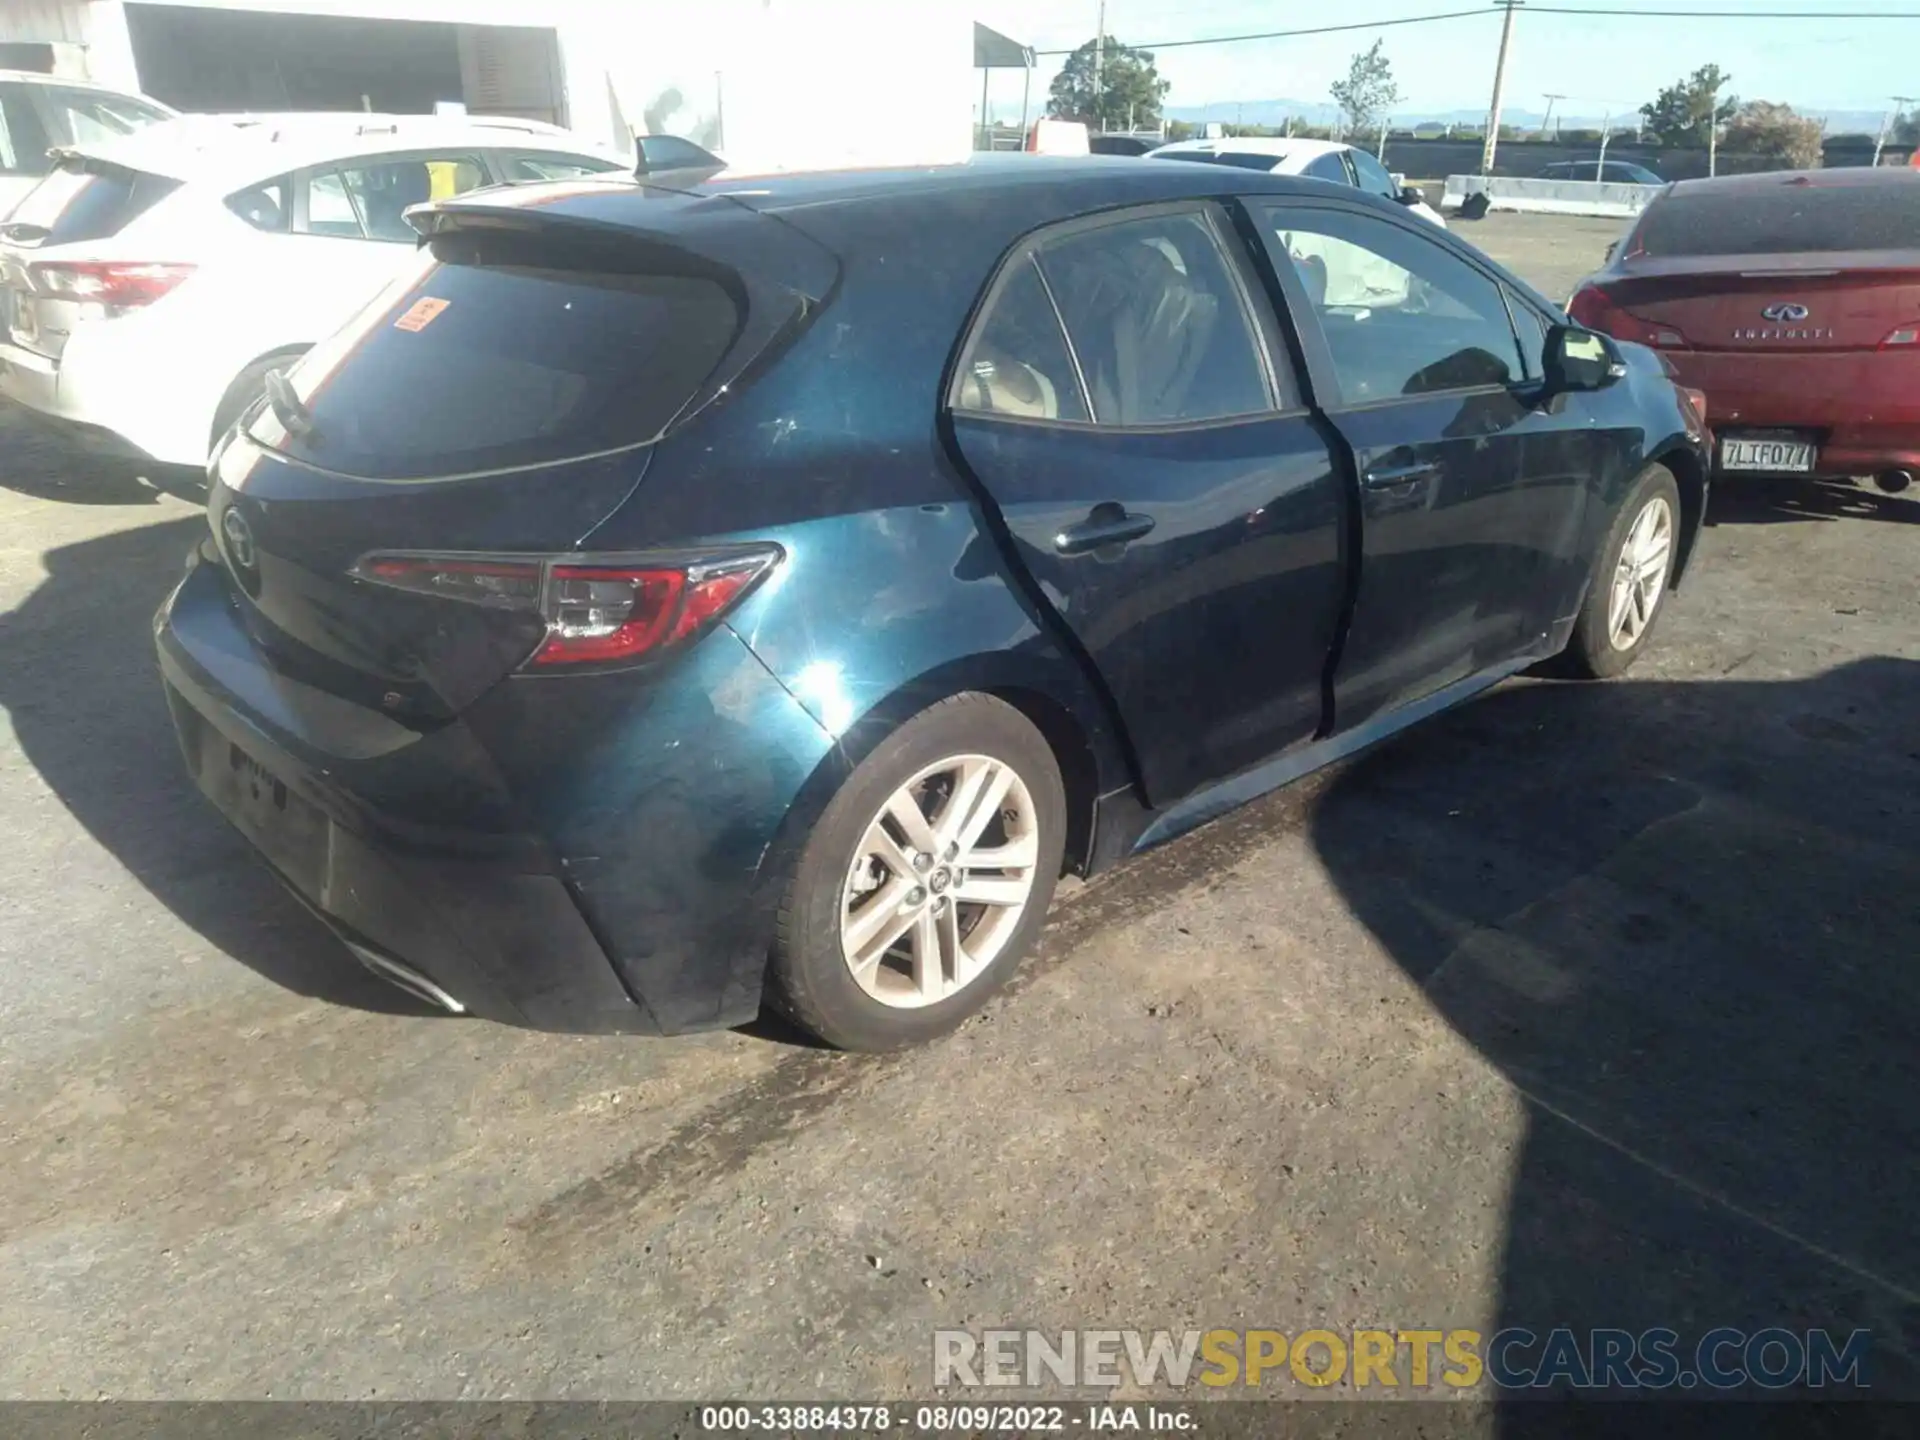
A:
1782	220
82	200
500	352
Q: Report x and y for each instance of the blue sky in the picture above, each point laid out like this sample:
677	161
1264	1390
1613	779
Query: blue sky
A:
1611	62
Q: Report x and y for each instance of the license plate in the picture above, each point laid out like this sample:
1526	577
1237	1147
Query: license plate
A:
1774	457
288	829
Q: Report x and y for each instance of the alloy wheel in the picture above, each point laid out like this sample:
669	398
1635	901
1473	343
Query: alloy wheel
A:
1640	574
939	881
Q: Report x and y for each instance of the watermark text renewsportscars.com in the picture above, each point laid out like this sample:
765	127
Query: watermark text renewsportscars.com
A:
1386	1360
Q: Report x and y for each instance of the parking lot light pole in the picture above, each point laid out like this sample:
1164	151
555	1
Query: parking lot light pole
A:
1492	146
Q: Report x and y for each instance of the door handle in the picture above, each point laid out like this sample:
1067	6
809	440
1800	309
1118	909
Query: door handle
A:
1108	524
1400	477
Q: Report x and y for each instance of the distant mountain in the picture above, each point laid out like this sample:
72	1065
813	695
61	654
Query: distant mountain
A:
1276	113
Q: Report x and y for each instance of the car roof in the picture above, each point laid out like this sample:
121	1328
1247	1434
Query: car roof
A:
67	82
242	149
1851	177
1281	147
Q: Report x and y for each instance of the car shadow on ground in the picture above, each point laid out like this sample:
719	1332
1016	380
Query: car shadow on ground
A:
1765	501
79	681
1683	920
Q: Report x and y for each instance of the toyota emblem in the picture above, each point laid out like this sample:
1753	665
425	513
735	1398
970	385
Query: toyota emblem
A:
239	535
1786	314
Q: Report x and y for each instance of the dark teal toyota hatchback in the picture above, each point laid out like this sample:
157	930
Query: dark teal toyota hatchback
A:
684	595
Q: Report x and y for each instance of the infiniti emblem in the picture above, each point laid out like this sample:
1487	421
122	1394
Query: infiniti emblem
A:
1785	314
239	539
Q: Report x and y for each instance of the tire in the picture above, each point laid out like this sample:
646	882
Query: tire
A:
1601	646
246	389
859	882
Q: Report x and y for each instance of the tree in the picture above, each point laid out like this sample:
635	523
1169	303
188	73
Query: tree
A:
1684	114
1762	127
1368	92
1129	93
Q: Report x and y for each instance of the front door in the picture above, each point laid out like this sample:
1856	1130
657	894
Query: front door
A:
1165	491
1416	358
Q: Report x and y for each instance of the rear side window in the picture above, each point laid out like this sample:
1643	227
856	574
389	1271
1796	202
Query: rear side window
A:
267	207
1157	322
82	199
23	138
501	351
1017	362
87	117
1785	219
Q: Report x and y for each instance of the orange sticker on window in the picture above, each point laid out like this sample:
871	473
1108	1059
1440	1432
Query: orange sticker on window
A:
423	314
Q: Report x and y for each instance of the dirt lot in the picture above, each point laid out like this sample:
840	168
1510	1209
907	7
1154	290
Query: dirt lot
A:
1585	1006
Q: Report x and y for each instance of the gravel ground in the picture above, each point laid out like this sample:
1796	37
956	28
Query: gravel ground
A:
1583	1006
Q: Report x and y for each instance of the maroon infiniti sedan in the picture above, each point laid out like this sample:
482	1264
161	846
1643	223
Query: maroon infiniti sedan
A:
1793	301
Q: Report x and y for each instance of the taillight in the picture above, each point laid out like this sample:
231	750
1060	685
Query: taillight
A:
599	610
1594	308
1908	334
121	284
1696	401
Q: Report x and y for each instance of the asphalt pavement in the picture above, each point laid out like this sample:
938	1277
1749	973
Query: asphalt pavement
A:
1582	1006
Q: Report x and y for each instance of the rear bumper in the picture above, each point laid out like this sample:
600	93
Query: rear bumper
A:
1862	408
112	394
602	914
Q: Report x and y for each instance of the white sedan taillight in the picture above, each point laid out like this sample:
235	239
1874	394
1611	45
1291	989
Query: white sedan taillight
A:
116	284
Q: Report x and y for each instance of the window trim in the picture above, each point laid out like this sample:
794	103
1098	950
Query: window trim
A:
1327	393
1028	248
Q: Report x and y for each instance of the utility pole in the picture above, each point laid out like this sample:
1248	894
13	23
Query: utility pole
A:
1099	60
1713	133
1887	123
1492	146
1546	125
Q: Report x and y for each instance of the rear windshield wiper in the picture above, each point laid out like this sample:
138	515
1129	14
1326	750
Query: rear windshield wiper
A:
288	408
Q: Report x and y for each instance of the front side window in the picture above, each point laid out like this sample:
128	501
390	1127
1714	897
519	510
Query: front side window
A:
1401	314
1329	167
1157	322
1372	175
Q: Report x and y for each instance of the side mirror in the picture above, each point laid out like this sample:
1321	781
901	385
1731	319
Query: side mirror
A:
1579	360
1411	195
1613	250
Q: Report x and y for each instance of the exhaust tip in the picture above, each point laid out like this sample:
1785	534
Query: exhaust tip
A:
1893	481
405	977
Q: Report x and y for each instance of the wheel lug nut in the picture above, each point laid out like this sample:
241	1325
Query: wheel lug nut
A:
923	863
952	850
916	896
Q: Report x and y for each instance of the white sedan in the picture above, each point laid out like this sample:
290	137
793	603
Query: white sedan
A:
1317	159
150	284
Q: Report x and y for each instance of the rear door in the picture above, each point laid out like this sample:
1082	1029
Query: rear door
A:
1162	482
1417	363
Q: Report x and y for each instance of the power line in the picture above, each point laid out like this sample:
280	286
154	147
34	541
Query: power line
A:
1290	34
1532	9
